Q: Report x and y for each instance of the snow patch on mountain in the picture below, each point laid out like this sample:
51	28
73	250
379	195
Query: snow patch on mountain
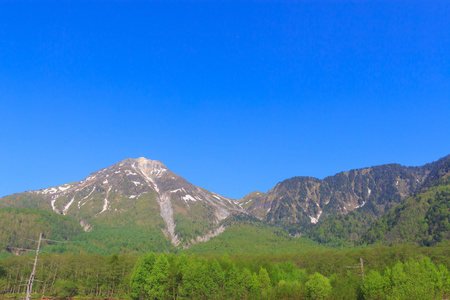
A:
53	204
64	187
358	206
89	178
50	191
188	197
158	172
315	220
66	208
79	202
53	190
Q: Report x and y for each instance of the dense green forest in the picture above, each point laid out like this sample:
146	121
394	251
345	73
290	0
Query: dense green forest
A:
69	275
403	271
21	226
248	235
244	234
423	219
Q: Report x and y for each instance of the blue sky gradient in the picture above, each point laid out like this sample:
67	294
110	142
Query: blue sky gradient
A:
234	96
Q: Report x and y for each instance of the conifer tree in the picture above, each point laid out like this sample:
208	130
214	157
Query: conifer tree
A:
141	271
158	283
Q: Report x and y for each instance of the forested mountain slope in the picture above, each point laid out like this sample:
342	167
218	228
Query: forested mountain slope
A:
423	219
20	228
137	199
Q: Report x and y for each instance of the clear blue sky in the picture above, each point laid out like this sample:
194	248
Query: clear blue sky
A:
234	96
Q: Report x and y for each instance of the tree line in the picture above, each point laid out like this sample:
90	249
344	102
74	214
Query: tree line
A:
400	272
190	277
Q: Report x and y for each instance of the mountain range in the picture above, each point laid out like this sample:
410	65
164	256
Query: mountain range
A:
139	204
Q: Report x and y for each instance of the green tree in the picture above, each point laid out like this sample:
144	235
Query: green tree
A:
141	271
158	283
217	281
250	284
66	288
410	280
416	280
264	283
289	290
318	287
376	286
2	276
194	280
233	287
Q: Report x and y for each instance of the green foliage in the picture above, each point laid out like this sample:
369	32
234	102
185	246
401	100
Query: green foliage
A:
66	275
254	238
375	285
24	226
3	273
346	284
65	288
397	271
143	267
342	230
410	280
318	287
158	285
26	200
264	283
189	225
423	219
122	239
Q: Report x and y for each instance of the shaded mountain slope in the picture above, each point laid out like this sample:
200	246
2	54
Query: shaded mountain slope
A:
423	219
400	222
307	200
340	209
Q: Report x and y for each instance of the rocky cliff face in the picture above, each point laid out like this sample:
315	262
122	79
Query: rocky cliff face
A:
307	200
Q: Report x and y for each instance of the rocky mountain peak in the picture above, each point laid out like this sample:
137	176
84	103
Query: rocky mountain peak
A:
145	163
118	191
150	167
